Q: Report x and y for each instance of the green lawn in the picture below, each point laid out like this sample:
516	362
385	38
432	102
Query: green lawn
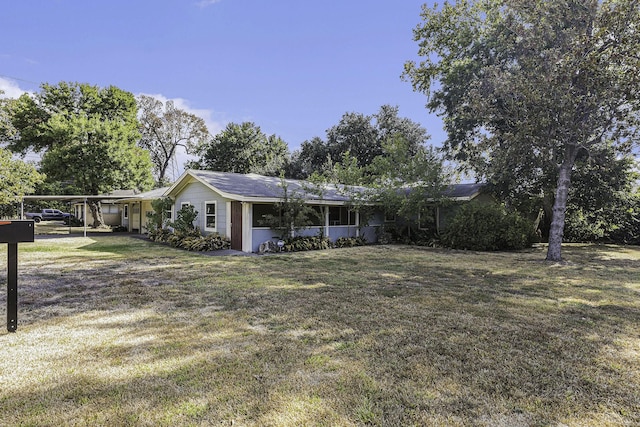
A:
115	331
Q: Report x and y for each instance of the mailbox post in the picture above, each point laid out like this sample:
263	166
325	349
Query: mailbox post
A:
12	233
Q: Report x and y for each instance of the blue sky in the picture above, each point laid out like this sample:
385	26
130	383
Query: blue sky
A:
293	67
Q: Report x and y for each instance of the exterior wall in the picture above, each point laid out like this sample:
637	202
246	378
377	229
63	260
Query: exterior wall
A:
135	221
111	213
146	208
197	194
334	232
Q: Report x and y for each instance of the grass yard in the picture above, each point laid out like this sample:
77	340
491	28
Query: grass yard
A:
118	331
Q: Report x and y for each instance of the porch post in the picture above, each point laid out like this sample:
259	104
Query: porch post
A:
326	221
85	217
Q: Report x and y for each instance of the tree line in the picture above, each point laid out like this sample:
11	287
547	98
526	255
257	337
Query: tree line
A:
540	100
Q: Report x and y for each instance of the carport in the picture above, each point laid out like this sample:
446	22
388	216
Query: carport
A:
71	199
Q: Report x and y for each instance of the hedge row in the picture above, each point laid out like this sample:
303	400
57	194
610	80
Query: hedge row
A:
192	240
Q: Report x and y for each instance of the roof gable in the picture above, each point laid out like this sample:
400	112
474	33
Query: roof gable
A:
257	188
253	187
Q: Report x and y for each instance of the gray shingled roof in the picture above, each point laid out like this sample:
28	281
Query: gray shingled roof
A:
264	187
457	191
148	195
251	186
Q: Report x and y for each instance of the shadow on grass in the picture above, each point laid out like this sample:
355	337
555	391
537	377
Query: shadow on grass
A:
376	335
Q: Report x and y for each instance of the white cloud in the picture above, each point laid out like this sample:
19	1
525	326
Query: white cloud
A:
214	124
10	88
205	3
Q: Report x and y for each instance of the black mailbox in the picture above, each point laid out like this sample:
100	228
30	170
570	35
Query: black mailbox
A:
16	231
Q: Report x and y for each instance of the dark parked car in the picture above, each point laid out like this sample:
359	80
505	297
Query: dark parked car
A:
48	215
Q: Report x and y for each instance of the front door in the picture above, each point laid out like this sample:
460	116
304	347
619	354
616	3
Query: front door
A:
236	226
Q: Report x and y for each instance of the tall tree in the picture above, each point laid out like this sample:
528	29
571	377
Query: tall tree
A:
87	136
7	131
243	148
17	178
356	134
362	136
528	86
163	129
313	156
408	184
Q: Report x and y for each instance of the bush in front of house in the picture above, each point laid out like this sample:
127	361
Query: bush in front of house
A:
488	228
306	243
210	242
349	242
191	240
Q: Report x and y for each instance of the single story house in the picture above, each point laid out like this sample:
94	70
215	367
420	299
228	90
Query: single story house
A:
111	208
235	206
135	208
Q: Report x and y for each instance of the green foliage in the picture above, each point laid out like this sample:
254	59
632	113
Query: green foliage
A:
306	243
349	242
158	217
190	240
616	223
294	214
243	148
163	129
406	185
17	178
527	86
88	135
210	242
359	136
184	220
488	227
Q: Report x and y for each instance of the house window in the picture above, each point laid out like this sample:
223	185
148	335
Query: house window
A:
261	212
427	219
389	217
317	219
210	216
183	204
125	212
340	215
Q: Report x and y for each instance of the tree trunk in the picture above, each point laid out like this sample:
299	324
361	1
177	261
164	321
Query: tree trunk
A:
96	213
556	232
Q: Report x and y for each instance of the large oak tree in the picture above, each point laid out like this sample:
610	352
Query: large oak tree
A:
87	136
17	178
243	148
528	87
164	128
361	136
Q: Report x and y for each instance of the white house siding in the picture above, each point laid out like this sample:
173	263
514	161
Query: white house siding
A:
196	194
369	232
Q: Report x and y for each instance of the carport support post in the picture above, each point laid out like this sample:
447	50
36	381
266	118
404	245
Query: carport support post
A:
12	287
85	217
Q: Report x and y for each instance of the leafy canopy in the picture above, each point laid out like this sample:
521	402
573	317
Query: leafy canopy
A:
87	135
359	136
17	178
164	128
243	148
528	87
